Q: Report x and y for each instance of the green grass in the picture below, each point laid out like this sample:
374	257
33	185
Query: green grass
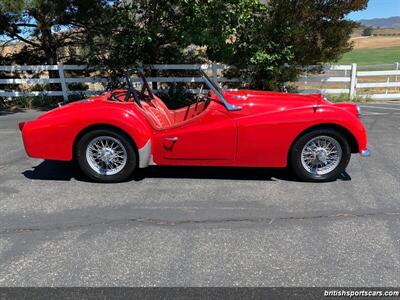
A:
371	56
345	98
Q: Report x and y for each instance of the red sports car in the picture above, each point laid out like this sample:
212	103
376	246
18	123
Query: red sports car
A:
114	134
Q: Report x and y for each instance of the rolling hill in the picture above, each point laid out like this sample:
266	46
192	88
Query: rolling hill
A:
392	22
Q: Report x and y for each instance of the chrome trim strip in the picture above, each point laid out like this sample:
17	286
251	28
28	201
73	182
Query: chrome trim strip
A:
359	110
172	139
365	153
239	97
145	155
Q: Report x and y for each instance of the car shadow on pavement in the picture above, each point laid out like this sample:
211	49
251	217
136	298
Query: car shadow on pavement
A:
55	170
65	171
224	173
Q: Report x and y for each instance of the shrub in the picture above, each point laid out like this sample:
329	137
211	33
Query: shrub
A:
29	102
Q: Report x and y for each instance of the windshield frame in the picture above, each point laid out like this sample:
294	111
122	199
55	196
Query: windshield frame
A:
218	91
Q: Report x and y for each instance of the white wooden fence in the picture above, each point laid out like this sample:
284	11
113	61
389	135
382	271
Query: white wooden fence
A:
33	70
358	81
350	76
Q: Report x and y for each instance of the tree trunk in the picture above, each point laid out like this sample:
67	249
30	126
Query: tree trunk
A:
51	59
50	50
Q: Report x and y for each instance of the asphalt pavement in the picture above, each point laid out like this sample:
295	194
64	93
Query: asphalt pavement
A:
201	226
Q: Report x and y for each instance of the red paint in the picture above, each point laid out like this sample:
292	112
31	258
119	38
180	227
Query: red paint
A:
259	135
21	125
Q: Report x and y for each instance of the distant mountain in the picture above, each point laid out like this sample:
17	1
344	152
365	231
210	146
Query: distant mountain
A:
392	22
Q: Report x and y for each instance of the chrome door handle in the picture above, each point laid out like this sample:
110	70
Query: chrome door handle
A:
173	139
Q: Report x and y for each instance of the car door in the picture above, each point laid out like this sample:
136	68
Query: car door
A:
210	136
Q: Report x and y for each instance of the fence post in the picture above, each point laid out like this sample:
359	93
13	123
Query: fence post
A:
214	70
64	86
353	81
397	68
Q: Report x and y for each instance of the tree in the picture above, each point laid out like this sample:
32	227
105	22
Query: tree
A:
367	31
140	32
164	31
46	27
264	40
271	39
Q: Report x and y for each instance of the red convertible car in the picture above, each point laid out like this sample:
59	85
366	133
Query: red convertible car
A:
114	134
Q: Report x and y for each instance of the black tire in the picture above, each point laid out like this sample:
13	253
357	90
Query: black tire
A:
296	150
131	157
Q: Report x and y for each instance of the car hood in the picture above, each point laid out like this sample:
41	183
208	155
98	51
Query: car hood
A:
260	101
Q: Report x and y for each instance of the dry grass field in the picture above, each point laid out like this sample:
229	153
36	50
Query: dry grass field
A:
383	31
375	42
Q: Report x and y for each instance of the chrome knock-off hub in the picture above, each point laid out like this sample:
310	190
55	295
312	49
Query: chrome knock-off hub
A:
106	155
321	155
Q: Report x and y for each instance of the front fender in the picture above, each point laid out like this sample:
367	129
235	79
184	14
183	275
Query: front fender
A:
347	118
265	139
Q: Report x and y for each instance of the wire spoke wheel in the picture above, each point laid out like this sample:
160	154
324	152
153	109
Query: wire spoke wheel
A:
106	155
321	155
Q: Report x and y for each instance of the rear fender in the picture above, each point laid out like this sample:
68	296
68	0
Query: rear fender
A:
53	136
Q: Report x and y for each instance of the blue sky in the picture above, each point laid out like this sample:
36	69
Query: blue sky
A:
378	9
